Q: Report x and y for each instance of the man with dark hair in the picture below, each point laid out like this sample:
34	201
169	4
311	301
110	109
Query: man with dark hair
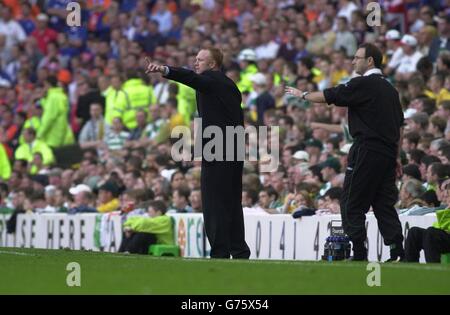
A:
375	119
425	162
411	171
435	172
218	104
444	154
180	200
410	141
437	126
268	200
425	67
415	156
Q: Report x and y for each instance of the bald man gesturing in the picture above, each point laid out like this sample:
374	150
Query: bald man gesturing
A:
218	104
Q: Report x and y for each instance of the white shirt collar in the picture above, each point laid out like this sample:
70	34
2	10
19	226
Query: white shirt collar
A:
372	71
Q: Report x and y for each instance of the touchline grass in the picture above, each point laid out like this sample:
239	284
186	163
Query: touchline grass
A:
39	271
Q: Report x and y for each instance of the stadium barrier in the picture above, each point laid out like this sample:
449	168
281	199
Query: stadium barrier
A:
269	236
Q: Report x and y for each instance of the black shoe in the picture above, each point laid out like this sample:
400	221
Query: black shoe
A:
397	253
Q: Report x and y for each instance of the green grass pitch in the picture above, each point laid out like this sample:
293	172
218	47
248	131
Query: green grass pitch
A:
38	271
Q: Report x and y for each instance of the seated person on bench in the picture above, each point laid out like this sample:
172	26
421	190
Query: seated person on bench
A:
142	231
434	241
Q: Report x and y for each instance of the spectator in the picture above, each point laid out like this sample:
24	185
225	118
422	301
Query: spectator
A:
434	240
180	201
410	193
344	38
300	201
177	180
289	50
140	96
88	94
330	168
414	21
83	199
442	41
247	62
108	197
425	35
116	137
141	231
43	34
133	180
435	172
444	154
115	99
263	100
407	64
163	16
410	141
18	203
417	123
437	126
268	49
411	171
437	87
314	149
195	199
331	205
26	19
93	132
153	38
346	8
5	164
10	28
138	132
54	129
269	200
31	146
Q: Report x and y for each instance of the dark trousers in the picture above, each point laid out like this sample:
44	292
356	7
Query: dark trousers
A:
370	181
137	243
434	242
221	187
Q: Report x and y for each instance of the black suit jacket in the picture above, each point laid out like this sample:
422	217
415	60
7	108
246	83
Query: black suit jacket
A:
218	100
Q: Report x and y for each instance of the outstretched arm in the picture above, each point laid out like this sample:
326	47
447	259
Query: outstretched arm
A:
315	97
200	82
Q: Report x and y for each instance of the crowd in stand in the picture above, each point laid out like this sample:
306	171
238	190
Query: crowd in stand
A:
83	129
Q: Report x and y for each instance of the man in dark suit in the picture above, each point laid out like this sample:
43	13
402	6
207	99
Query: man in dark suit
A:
376	121
218	104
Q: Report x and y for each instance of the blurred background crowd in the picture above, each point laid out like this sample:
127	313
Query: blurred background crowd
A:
83	129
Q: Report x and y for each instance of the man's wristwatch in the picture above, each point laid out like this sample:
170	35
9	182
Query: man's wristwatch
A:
304	95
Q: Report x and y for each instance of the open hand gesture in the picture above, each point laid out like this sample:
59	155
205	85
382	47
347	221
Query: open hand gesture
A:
293	91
